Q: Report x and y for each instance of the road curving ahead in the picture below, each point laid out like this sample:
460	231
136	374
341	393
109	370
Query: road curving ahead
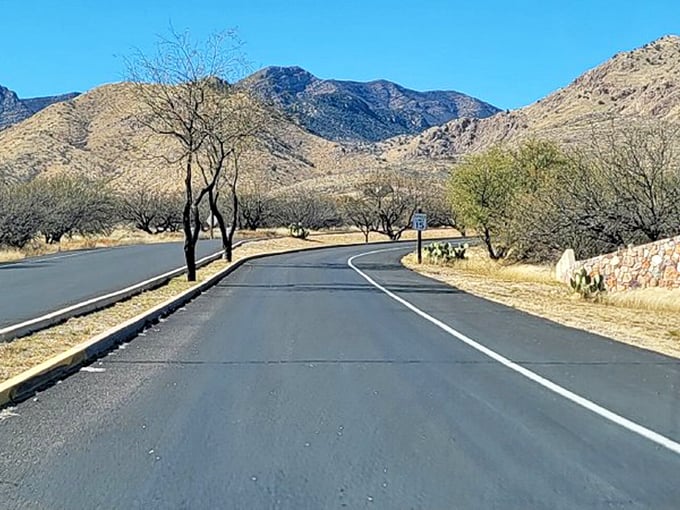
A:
297	383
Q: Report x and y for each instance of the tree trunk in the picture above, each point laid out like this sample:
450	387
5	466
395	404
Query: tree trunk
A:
487	241
189	243
234	221
214	210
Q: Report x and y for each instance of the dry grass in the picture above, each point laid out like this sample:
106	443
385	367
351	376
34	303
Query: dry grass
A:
10	255
27	352
645	319
652	299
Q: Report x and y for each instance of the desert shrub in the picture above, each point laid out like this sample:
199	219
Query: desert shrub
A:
297	231
19	219
73	205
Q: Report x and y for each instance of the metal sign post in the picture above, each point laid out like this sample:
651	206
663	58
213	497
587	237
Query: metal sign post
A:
419	224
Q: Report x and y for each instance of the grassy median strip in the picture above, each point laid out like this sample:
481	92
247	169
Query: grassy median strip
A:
27	352
649	319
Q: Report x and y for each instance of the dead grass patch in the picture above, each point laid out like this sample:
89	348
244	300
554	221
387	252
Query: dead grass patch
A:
641	321
10	255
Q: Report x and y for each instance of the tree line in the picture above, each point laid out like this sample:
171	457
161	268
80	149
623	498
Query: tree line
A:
54	207
620	187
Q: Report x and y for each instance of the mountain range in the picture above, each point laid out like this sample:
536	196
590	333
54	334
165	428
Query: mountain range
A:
633	85
334	131
357	111
14	110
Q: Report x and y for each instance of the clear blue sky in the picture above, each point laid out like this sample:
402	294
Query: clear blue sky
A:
507	52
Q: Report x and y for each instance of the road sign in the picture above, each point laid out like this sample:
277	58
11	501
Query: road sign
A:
419	221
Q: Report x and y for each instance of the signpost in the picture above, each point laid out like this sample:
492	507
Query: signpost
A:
419	223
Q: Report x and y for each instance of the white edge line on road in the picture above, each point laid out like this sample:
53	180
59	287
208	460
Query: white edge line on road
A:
121	292
546	383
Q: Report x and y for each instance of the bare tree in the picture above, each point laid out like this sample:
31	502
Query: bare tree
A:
360	213
151	210
232	127
640	164
255	207
394	197
303	208
176	88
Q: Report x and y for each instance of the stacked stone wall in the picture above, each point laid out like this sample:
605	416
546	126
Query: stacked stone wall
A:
649	265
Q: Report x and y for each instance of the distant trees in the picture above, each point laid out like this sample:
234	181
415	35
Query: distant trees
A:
151	210
18	222
361	213
384	203
69	205
309	210
620	187
54	207
255	207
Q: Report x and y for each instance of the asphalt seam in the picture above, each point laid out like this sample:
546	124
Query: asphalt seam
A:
567	394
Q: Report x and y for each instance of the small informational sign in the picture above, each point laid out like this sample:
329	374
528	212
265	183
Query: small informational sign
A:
419	221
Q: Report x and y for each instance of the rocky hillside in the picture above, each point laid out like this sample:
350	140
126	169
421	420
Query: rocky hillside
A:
95	133
13	109
356	111
639	84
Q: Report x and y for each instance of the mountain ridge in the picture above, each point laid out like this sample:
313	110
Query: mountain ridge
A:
643	83
347	110
14	109
92	133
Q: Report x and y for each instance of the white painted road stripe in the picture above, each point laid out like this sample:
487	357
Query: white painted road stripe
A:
546	383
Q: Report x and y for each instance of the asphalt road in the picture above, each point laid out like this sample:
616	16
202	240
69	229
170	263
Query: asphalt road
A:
33	287
296	384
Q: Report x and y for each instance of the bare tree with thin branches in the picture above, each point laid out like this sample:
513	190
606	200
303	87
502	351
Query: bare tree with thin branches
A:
176	90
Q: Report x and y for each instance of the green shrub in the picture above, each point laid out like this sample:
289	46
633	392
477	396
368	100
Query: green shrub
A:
444	253
297	231
587	286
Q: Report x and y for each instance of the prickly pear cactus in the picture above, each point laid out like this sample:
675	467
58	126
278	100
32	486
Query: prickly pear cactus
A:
587	286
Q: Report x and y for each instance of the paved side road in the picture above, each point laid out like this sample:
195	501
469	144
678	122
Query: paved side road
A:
296	384
34	287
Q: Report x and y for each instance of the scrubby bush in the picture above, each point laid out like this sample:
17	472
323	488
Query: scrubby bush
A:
297	231
19	221
70	205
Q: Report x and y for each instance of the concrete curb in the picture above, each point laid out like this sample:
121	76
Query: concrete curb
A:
14	331
24	385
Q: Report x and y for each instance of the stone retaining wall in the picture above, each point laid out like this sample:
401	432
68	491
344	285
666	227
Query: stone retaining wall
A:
649	265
